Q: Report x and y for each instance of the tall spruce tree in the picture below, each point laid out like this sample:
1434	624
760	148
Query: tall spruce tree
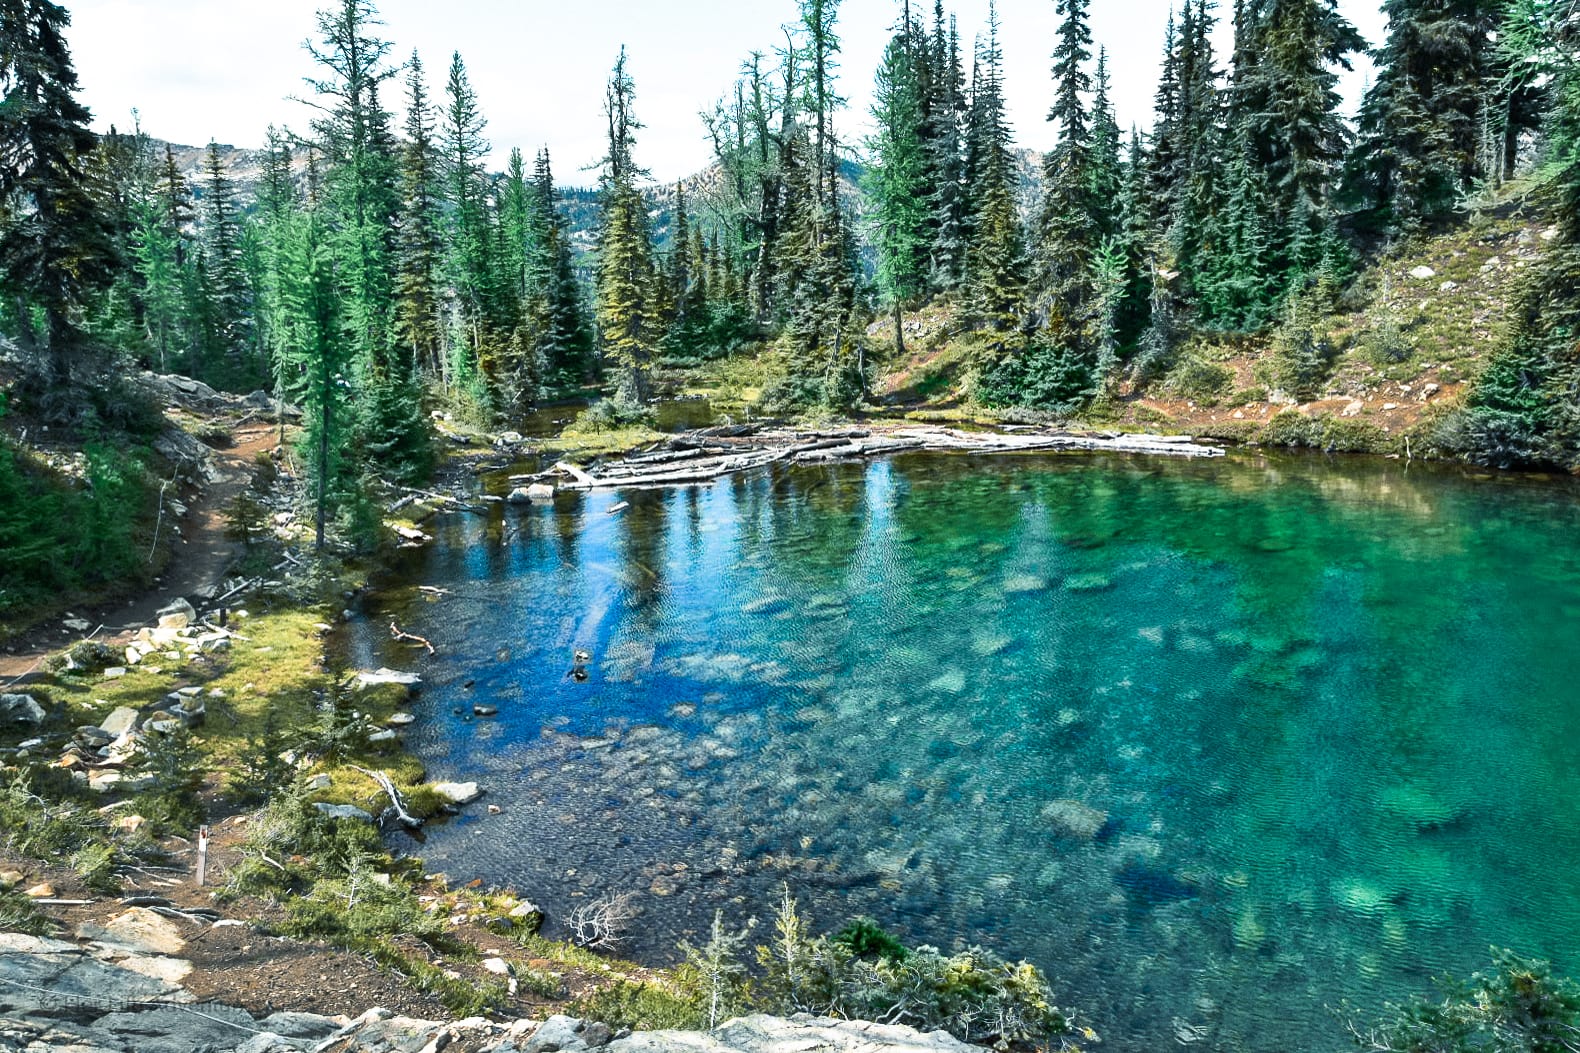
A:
1068	230
419	248
897	180
470	239
1422	120
995	284
226	287
627	320
55	244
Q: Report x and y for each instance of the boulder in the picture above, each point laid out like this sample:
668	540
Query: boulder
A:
20	709
458	792
523	495
136	930
1422	273
1073	819
177	615
119	722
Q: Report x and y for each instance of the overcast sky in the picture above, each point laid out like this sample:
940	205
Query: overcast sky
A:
197	70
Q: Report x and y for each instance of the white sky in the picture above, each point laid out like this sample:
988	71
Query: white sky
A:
197	69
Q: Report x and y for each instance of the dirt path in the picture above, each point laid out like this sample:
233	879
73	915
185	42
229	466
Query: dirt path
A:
198	562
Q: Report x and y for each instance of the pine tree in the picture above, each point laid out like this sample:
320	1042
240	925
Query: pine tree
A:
995	286
626	308
1421	122
897	181
1107	171
1068	231
418	246
320	359
566	342
55	246
470	263
226	288
948	197
1292	122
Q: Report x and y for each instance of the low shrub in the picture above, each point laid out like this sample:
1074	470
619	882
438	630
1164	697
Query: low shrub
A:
1518	1005
1199	380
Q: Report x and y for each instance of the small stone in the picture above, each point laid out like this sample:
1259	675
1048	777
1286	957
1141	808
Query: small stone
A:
498	966
42	890
10	879
1448	286
1422	273
401	720
494	809
104	781
77	625
129	824
483	710
320	782
115	672
380	737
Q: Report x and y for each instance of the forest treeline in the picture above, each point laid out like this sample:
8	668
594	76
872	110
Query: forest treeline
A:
390	273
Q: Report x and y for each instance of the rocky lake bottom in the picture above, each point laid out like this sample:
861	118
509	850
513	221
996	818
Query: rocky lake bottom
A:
1220	745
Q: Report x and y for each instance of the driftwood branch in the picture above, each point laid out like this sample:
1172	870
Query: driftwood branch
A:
395	631
397	803
712	453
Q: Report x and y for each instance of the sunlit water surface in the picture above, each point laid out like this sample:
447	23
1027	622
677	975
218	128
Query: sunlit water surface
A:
1221	745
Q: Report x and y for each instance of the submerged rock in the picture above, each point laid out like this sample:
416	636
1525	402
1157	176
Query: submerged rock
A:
1074	819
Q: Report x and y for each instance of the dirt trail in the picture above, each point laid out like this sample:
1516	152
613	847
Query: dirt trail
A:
198	562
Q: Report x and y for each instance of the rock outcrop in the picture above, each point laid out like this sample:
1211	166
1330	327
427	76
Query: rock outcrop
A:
123	997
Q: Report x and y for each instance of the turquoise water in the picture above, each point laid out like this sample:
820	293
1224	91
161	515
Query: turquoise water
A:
1220	745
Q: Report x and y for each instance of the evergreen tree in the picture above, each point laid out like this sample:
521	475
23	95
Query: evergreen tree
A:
1296	136
55	245
1067	228
319	359
948	197
565	337
470	263
1107	171
226	289
418	247
627	319
1422	120
897	179
995	285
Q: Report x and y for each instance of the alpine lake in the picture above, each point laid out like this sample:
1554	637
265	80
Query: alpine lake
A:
1222	745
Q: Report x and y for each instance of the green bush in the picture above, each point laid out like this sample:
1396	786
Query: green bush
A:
611	415
20	914
1302	352
58	536
1518	1006
1200	381
974	995
1039	376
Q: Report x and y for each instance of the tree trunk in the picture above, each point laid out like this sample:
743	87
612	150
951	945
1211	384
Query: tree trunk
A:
899	329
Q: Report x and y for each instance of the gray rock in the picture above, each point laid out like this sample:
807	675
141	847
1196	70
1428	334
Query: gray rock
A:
94	737
560	1033
177	615
380	677
343	811
119	722
302	1025
20	709
1074	819
458	792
